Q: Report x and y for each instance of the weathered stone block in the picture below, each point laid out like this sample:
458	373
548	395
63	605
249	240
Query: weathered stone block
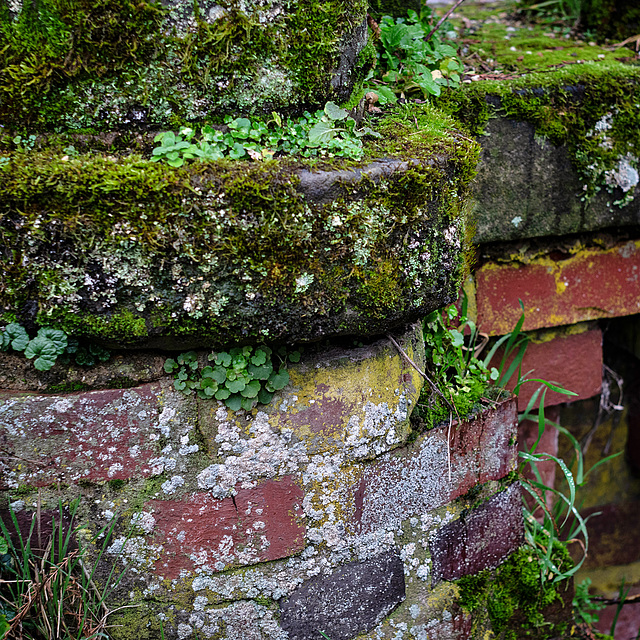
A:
260	523
104	435
349	601
437	468
479	540
559	289
174	61
218	253
356	403
527	187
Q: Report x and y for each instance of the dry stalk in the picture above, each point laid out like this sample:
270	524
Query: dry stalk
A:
433	386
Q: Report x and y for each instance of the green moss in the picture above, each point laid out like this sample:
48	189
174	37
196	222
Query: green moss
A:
123	326
116	484
123	249
67	387
24	490
54	41
514	600
591	109
82	64
380	291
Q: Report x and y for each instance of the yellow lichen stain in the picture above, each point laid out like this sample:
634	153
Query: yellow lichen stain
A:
501	320
347	384
607	580
547	335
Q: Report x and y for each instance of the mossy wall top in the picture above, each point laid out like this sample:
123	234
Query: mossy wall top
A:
105	64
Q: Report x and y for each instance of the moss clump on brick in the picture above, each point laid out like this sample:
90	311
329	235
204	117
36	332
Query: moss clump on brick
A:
514	602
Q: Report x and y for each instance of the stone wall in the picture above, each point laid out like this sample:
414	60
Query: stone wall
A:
325	510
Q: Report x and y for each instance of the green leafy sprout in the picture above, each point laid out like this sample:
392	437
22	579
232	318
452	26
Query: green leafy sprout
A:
411	63
49	344
328	132
240	377
453	345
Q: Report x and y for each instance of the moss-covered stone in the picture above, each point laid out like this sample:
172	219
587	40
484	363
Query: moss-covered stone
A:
559	124
106	64
132	252
514	602
559	150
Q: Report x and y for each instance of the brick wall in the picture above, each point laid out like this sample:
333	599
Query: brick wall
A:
318	512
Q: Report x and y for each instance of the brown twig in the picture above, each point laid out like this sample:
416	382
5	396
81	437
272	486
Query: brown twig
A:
444	17
422	373
622	601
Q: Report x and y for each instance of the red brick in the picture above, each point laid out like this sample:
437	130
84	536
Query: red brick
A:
627	618
415	479
97	435
480	539
258	524
594	283
573	361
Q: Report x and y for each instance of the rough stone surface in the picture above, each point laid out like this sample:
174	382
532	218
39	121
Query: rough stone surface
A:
479	540
121	370
357	402
98	435
526	188
275	266
559	289
222	515
613	535
428	474
258	524
351	600
234	57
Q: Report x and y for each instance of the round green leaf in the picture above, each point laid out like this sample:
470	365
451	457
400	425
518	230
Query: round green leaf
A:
222	394
294	356
278	380
55	336
335	112
235	386
247	403
260	373
259	357
251	390
223	358
44	352
17	335
265	396
234	402
219	374
170	364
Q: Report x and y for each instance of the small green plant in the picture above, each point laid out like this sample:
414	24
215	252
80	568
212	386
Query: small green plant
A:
409	62
240	377
329	131
48	345
47	588
583	606
452	342
26	143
